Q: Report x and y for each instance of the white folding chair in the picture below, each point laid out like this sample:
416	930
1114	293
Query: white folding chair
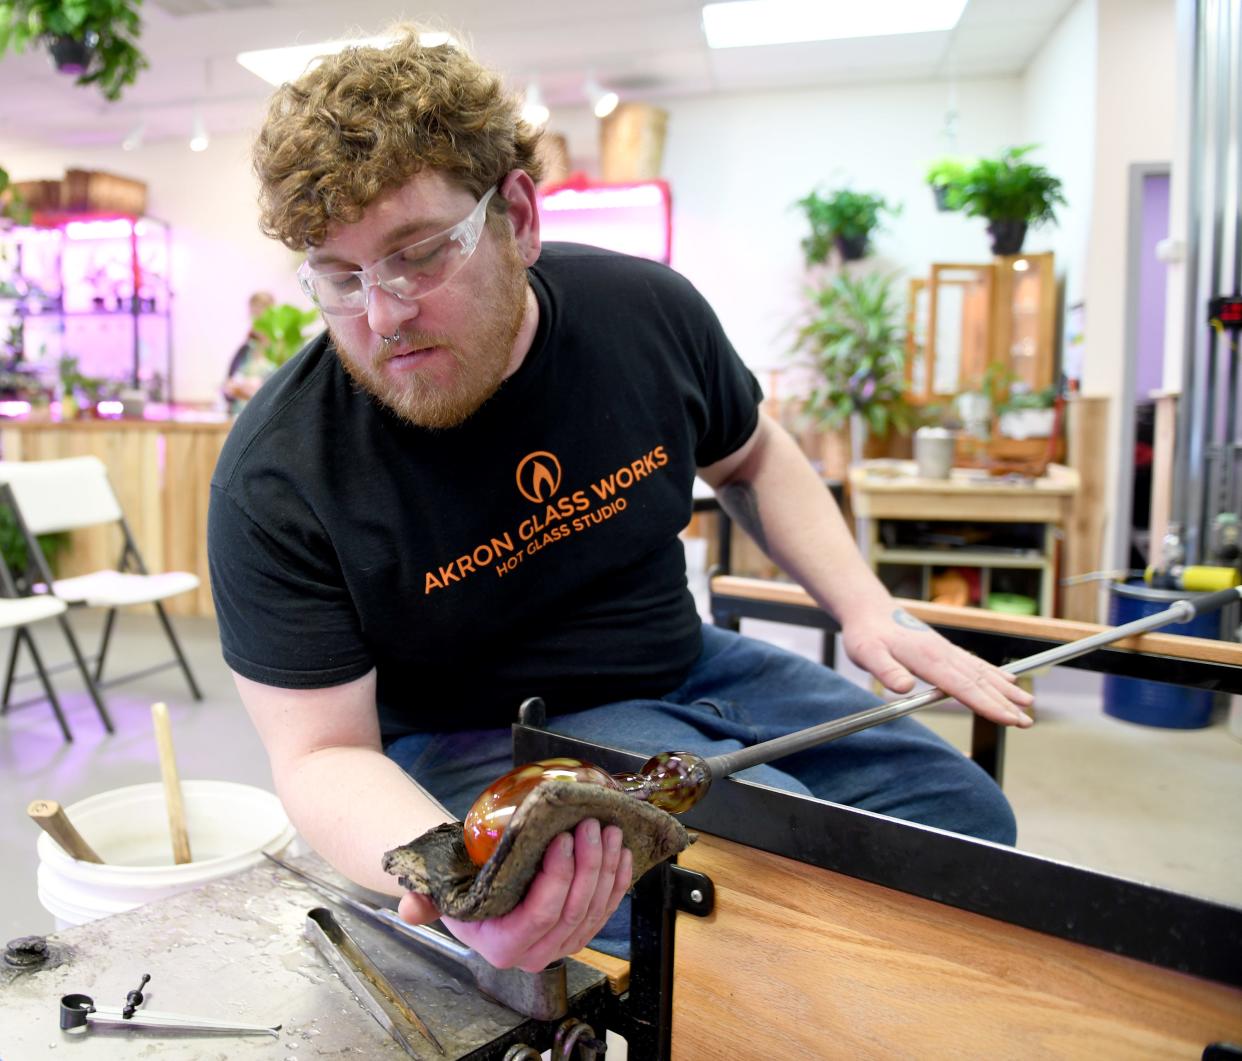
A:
51	496
16	614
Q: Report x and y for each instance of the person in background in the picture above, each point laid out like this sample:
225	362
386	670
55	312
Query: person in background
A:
248	368
469	492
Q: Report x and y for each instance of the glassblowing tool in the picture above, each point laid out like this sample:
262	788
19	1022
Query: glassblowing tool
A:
80	1011
374	990
676	781
543	995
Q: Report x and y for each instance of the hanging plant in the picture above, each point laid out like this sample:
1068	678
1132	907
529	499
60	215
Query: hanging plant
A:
96	40
843	219
945	177
1012	194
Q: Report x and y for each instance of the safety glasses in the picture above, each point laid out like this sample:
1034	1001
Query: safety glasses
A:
407	274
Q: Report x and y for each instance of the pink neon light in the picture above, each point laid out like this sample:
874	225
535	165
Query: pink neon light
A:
117	228
630	218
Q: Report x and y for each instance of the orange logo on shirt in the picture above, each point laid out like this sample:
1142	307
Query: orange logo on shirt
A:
538	476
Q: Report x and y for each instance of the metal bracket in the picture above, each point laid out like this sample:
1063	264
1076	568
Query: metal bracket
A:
533	713
691	892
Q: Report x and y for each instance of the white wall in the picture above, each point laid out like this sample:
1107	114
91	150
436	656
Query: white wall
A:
1135	122
1058	114
736	165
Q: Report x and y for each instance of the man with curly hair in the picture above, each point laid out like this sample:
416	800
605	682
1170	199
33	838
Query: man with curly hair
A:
469	492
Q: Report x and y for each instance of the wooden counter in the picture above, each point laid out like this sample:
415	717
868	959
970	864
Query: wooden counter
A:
161	472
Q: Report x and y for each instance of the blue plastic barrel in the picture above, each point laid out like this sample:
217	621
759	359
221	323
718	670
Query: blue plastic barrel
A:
1158	703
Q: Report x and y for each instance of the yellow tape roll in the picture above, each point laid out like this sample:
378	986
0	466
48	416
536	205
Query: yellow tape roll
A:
1200	578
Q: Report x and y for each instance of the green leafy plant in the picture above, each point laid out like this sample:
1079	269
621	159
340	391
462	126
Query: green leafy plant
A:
854	337
85	391
282	331
844	219
945	176
13	548
1007	188
1044	398
12	205
107	30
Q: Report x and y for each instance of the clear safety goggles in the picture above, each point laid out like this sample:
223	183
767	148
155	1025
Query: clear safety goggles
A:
407	274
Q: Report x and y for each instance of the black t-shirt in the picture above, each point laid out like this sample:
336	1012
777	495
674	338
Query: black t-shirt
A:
530	551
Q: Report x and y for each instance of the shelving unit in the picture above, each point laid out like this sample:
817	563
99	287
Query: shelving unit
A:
92	288
1026	515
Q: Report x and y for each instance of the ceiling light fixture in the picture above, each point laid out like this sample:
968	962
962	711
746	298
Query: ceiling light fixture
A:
278	65
603	101
534	110
133	139
198	137
746	23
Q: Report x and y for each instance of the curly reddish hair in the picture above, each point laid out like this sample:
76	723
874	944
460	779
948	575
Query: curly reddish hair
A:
368	119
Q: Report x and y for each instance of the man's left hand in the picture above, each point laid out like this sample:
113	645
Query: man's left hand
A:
898	650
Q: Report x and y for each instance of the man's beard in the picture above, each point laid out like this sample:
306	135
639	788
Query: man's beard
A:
479	363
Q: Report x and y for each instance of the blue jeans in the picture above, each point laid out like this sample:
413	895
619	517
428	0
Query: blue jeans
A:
740	692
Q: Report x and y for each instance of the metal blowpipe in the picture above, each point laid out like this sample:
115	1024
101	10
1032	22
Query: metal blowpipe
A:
676	781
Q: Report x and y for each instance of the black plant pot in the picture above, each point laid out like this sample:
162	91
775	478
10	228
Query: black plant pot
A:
1007	236
851	248
71	55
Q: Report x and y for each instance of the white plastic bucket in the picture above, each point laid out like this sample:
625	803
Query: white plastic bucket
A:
229	826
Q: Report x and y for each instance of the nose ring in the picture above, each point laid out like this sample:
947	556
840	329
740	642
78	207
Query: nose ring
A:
388	340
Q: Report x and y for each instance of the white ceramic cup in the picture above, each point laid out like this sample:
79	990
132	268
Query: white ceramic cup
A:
933	452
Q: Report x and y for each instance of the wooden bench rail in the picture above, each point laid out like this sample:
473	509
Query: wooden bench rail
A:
944	615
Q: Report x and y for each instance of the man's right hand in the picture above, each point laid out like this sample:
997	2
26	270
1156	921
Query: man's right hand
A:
583	880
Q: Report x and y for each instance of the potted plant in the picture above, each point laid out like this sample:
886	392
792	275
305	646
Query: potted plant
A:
96	40
1011	194
945	176
854	339
13	208
844	219
1028	413
282	331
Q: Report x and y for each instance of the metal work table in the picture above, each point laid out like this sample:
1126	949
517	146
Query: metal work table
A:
234	949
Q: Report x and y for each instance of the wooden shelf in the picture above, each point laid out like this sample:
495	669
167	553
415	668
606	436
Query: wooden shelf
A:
891	491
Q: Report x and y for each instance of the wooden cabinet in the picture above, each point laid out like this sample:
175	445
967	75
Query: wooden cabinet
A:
966	317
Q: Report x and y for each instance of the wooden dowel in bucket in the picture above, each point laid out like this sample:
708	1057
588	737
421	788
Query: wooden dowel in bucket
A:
172	784
51	818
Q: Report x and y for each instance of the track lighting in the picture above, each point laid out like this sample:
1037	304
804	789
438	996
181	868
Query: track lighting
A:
133	139
534	111
198	137
603	101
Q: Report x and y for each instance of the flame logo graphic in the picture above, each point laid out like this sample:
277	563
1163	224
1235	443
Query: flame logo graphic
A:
538	476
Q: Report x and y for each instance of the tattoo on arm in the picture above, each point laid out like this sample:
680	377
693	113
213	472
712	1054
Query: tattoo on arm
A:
903	618
741	502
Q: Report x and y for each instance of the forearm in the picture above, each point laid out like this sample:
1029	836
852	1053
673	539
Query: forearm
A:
353	804
776	497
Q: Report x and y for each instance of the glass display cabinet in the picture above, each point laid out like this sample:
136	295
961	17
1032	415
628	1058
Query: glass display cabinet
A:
93	289
965	318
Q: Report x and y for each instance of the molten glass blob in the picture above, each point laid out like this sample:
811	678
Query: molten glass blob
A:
671	781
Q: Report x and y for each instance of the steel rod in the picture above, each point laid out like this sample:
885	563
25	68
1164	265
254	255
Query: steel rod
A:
1181	611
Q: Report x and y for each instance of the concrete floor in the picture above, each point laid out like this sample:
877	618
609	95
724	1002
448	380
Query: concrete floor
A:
1150	804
